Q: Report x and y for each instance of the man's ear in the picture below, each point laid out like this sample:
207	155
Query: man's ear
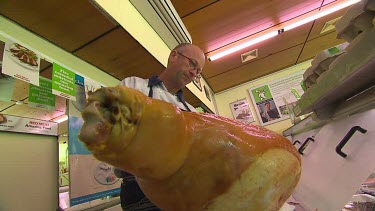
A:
173	54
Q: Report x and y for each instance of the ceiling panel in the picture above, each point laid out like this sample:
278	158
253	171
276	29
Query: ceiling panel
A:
318	24
67	23
266	48
120	55
47	72
319	44
225	21
255	69
185	8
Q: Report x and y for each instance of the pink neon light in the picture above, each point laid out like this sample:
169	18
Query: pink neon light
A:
61	119
320	14
286	28
243	45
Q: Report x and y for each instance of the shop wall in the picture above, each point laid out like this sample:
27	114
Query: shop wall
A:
29	172
223	99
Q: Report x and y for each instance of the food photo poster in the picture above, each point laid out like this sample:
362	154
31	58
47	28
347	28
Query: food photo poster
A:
21	62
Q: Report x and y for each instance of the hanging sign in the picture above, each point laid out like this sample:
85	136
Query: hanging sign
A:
21	62
270	99
26	125
63	82
80	102
41	96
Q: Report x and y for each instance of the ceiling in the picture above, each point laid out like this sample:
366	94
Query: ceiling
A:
81	29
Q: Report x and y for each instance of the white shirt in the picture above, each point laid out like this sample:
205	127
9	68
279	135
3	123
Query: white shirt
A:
159	91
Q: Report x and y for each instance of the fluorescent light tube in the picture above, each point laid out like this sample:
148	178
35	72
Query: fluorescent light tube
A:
320	14
291	24
243	45
61	119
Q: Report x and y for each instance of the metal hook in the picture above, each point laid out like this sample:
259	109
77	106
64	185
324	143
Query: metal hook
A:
304	145
346	139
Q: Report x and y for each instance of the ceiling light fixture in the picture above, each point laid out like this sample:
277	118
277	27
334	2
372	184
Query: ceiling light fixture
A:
243	45
61	119
286	26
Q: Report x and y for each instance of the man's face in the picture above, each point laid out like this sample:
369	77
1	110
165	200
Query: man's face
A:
187	65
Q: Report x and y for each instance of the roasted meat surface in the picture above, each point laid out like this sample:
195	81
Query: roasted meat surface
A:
186	160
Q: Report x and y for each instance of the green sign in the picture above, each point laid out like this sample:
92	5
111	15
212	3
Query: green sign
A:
41	96
63	81
261	93
333	50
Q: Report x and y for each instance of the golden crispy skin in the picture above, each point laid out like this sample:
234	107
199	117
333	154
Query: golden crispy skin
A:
187	160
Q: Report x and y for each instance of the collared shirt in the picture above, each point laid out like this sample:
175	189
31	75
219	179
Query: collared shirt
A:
159	91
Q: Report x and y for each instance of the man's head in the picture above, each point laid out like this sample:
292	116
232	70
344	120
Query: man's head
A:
185	63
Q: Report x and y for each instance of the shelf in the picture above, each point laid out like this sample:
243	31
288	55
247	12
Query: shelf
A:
353	73
361	102
347	88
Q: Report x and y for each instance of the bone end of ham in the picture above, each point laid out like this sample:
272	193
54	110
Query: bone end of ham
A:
186	160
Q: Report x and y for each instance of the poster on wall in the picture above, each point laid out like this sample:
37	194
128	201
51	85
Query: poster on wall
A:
90	179
241	111
41	96
21	62
63	82
270	99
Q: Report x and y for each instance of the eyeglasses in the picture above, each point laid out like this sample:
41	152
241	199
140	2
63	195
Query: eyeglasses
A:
193	64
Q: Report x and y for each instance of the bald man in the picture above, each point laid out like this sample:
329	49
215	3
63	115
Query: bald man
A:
185	63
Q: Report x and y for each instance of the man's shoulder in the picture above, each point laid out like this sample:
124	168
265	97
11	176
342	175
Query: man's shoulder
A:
132	81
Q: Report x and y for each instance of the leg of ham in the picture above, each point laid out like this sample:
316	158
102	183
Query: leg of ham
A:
189	161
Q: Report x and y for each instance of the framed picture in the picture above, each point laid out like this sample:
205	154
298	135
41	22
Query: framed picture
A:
241	111
207	93
197	83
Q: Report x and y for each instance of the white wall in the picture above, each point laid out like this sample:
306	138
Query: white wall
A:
224	98
29	172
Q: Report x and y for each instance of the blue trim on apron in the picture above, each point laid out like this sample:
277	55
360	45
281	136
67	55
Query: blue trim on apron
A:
154	81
